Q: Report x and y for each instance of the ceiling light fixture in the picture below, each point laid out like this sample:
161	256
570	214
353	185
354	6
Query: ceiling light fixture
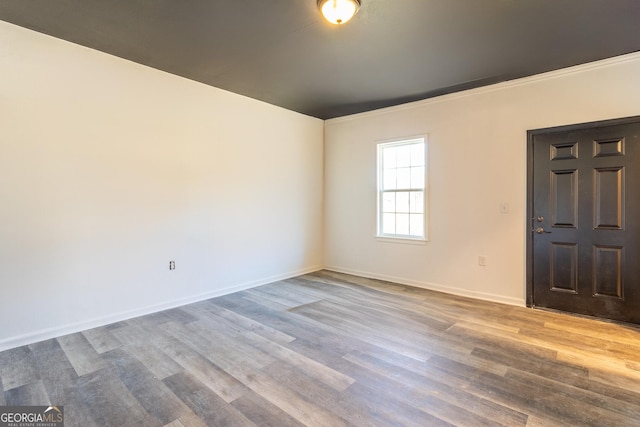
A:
338	11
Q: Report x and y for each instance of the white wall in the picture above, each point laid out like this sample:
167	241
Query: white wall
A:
109	170
477	160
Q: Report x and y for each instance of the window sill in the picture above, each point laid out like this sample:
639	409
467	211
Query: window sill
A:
401	240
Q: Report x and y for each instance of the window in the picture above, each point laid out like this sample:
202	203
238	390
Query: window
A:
401	189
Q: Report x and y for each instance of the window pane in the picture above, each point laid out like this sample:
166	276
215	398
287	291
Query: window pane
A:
416	202
402	202
404	156
388	202
402	185
404	177
389	223
417	154
417	225
389	157
389	179
402	224
417	177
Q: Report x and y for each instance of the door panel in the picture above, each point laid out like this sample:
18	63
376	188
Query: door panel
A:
564	198
607	271
609	203
584	248
564	267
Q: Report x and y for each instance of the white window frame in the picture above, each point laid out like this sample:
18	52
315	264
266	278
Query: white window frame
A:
395	237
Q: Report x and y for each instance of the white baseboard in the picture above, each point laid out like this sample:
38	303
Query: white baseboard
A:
485	296
45	334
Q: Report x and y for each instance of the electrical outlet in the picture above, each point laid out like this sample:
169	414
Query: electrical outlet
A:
172	265
482	261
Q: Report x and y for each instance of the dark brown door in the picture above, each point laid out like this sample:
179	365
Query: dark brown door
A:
585	225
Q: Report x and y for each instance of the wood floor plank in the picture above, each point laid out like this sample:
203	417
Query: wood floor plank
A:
263	413
394	338
33	392
438	399
536	421
317	370
343	404
634	366
217	346
625	334
629	410
281	292
265	300
180	315
17	368
111	402
604	348
620	378
304	286
152	394
540	401
394	408
409	307
59	379
190	420
102	339
132	332
77	412
534	364
337	350
285	398
203	370
503	342
54	369
248	324
210	407
286	321
605	389
155	360
310	367
81	354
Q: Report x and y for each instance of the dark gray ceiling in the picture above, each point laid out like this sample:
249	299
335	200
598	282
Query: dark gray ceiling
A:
393	51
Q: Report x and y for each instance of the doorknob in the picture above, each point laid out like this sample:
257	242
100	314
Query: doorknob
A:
541	230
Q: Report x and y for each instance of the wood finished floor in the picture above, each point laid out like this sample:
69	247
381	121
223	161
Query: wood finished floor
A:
328	349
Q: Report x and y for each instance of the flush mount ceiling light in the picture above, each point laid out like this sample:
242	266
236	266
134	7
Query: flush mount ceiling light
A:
338	11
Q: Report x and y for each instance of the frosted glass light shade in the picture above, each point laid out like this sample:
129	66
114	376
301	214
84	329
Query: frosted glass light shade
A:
338	11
